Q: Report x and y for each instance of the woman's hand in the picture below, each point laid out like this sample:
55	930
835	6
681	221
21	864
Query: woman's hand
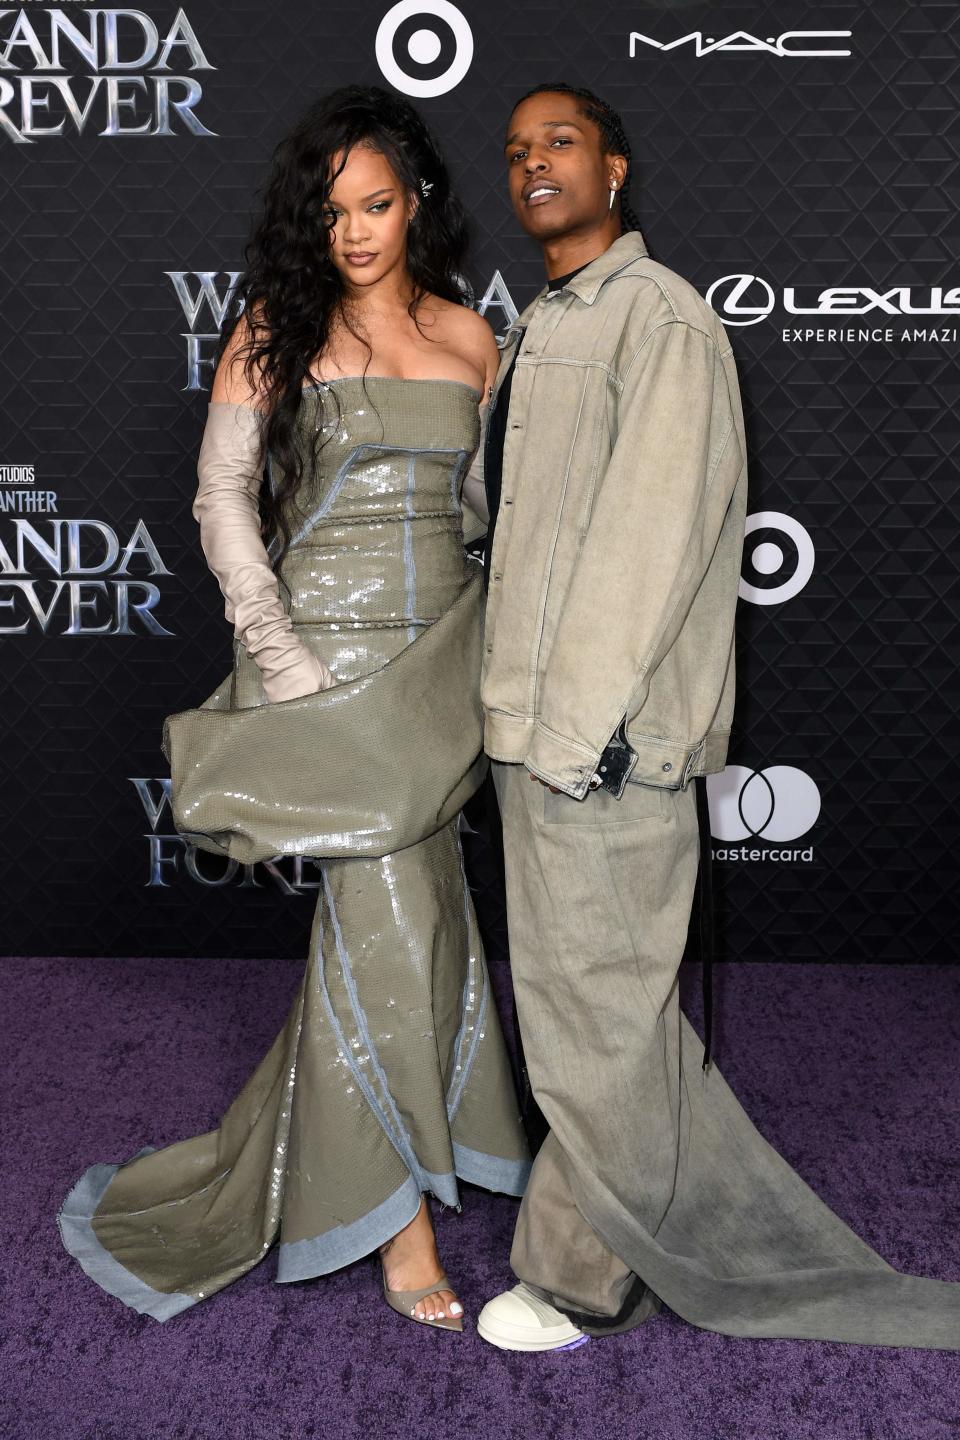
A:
306	675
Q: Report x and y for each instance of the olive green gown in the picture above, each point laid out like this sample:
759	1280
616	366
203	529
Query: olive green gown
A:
390	1077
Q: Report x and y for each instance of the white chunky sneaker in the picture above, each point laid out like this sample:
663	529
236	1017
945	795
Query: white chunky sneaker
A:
519	1320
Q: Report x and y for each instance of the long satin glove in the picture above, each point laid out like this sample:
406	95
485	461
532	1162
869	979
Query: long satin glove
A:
230	467
473	493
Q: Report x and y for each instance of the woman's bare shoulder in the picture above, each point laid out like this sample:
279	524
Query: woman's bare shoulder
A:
466	332
456	316
235	381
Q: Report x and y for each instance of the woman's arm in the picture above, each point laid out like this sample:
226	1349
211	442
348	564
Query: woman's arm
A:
473	491
230	469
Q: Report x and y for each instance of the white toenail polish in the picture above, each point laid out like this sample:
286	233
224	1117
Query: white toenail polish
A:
456	1309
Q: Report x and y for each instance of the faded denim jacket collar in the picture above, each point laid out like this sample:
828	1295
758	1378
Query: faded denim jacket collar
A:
586	285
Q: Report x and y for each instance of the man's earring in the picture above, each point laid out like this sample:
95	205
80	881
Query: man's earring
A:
613	196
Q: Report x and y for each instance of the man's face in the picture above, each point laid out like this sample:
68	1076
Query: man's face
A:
558	176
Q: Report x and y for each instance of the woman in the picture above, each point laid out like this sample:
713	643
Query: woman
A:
349	729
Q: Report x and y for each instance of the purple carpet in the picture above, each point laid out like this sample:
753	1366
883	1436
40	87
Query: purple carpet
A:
850	1071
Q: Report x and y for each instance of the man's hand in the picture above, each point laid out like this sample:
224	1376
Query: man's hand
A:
552	788
594	783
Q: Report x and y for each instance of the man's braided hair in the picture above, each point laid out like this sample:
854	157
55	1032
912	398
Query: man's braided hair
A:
612	135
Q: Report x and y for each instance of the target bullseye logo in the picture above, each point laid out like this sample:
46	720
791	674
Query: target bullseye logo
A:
768	558
424	47
779	803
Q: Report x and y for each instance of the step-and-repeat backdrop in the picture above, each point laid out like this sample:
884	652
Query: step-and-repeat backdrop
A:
798	164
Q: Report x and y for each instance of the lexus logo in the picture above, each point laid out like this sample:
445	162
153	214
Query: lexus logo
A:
765	556
424	47
741	299
779	803
748	299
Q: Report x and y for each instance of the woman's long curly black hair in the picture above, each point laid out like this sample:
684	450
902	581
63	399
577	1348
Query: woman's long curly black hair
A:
291	290
613	137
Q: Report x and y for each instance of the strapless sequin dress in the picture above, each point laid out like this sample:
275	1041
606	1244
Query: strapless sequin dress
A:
390	1077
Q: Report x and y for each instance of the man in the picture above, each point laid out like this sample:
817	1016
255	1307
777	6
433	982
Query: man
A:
616	483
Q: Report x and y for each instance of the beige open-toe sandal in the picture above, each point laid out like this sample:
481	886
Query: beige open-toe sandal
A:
403	1302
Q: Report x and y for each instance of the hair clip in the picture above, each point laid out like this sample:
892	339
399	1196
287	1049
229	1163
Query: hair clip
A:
426	186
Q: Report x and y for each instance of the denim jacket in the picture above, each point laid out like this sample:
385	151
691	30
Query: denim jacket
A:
616	559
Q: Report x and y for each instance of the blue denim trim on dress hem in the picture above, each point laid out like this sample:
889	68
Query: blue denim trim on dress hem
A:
78	1235
492	1172
303	1259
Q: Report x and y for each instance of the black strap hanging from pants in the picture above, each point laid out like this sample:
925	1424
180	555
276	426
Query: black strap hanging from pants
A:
703	907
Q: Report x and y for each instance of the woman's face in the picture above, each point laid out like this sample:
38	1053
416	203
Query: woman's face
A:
369	212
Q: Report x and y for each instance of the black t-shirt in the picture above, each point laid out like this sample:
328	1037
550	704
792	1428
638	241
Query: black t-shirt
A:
497	431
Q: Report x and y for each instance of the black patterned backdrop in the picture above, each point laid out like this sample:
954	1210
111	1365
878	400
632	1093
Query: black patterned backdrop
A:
797	163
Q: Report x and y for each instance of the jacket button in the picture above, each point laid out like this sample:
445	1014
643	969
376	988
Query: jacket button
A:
668	766
498	577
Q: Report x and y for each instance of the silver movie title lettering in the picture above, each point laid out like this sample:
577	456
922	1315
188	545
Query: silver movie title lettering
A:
74	551
46	104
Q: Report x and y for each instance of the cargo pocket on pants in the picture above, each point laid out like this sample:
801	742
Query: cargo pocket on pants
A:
639	804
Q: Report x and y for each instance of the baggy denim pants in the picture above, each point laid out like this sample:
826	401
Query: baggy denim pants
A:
654	1185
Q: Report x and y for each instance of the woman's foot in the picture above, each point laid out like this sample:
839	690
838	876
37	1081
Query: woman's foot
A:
410	1261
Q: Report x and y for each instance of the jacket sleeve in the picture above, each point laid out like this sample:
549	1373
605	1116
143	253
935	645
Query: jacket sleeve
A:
658	511
229	468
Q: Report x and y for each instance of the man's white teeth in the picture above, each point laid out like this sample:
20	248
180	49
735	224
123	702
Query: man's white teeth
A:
544	190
